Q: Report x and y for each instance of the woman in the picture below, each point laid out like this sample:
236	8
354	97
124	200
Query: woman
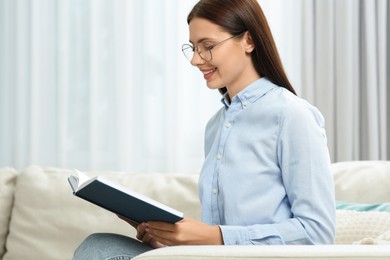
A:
266	178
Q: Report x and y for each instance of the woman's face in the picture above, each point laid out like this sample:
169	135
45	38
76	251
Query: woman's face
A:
231	63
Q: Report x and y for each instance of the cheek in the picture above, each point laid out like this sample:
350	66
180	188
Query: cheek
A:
231	63
230	66
232	59
225	71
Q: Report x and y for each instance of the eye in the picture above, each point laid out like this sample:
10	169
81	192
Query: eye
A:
208	47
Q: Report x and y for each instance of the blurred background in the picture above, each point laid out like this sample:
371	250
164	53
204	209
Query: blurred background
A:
103	84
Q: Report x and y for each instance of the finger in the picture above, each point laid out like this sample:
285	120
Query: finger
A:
164	237
141	227
141	231
156	244
141	235
163	226
156	240
147	239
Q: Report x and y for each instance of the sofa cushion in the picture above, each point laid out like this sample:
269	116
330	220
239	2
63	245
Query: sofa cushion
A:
353	226
7	184
49	222
362	181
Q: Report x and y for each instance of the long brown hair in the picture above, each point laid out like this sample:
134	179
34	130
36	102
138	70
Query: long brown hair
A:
238	16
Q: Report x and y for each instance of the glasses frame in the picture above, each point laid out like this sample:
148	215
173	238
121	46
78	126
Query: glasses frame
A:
187	46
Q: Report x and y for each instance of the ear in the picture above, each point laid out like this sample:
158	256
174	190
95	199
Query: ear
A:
249	45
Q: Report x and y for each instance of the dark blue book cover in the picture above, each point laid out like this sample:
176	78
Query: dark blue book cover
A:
124	202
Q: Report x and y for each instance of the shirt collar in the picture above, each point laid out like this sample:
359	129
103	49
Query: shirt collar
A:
250	94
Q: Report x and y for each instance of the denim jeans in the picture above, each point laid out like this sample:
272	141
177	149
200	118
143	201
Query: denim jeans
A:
106	246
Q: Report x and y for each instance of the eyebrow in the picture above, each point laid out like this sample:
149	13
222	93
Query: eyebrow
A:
200	40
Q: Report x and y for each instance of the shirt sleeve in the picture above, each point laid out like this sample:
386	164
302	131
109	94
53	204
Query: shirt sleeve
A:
305	166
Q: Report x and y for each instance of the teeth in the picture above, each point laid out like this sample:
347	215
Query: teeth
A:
209	71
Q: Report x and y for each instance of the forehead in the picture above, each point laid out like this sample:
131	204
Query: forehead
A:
201	29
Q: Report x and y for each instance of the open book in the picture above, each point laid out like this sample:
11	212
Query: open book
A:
122	201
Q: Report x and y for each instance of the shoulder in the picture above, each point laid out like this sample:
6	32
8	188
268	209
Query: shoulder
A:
298	110
283	105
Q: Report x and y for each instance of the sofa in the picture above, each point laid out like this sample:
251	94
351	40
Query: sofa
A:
41	218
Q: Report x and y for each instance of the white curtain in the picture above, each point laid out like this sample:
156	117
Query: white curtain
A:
346	74
102	84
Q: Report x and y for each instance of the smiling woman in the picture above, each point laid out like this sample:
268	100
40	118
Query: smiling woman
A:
266	176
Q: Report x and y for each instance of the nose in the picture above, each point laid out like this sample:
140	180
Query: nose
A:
196	59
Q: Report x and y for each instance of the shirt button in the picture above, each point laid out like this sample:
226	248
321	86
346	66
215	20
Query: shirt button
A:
219	157
244	103
228	125
215	190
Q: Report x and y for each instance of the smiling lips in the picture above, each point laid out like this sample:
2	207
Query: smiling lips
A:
208	73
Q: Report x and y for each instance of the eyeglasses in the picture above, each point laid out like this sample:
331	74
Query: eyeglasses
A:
203	49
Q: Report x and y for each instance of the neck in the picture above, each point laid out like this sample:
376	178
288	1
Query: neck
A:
234	89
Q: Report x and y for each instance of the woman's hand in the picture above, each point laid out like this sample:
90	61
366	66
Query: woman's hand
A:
142	235
184	232
146	238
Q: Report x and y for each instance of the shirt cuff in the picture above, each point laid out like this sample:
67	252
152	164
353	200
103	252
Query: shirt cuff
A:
235	235
251	235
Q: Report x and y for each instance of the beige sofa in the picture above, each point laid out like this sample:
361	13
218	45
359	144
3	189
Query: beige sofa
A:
41	219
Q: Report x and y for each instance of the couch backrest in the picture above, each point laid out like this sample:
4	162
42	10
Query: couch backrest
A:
362	181
49	221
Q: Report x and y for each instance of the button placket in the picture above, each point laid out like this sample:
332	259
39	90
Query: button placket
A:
226	127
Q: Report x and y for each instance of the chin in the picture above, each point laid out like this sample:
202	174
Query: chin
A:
212	85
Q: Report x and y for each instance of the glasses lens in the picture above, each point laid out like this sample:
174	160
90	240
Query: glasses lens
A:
188	51
204	52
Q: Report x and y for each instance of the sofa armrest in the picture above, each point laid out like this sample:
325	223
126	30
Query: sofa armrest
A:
7	187
269	252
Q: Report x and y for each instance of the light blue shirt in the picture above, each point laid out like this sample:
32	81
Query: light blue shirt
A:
266	178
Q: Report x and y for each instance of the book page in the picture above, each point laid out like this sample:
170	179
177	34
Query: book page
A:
82	177
78	180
